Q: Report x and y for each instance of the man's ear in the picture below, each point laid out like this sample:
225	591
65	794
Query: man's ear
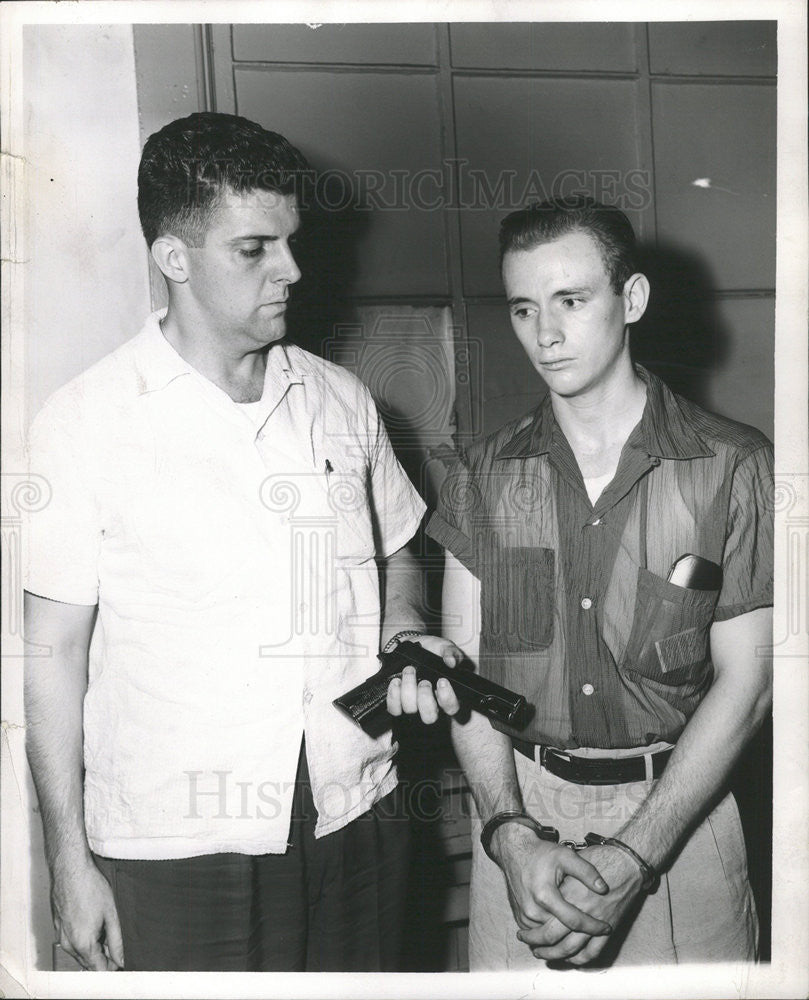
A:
171	256
636	297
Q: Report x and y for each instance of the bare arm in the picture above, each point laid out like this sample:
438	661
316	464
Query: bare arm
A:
710	745
83	909
403	605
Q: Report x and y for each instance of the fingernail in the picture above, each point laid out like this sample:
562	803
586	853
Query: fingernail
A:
601	883
443	682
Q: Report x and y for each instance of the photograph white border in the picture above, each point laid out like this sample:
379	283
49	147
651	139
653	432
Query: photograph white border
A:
788	973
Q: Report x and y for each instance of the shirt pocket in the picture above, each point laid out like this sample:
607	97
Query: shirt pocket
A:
668	642
517	603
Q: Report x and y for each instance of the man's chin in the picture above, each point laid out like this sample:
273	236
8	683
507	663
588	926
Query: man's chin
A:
273	332
560	384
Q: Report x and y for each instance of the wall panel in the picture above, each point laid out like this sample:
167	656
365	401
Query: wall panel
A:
566	47
713	48
715	176
408	44
742	382
364	130
526	139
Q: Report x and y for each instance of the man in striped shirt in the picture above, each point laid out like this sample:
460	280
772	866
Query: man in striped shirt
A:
618	544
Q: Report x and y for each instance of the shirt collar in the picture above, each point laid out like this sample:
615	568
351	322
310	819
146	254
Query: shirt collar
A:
159	364
663	432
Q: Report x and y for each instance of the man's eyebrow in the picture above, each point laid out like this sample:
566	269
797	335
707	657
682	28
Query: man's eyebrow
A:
572	291
253	236
263	237
518	300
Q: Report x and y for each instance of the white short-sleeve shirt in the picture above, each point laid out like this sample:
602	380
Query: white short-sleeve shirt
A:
231	552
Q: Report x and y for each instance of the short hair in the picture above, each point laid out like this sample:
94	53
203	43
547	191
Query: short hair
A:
548	220
187	166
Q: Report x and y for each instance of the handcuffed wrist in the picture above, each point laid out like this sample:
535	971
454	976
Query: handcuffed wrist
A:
548	833
650	875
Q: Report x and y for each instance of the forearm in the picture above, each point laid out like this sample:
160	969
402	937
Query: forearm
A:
485	754
54	746
699	767
487	758
54	694
402	607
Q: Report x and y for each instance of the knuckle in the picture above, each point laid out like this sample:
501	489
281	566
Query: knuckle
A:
535	913
543	895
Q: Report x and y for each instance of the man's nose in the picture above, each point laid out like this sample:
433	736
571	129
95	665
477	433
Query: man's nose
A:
548	332
286	268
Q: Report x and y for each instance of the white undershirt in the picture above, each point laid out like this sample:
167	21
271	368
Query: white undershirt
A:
251	410
595	486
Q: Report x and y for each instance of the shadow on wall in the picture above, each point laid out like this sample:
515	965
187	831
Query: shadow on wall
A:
681	337
327	254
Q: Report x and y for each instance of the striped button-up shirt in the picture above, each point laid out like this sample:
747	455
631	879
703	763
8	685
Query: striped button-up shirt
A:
576	611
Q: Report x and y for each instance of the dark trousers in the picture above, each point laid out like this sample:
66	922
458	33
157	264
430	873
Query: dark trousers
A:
334	904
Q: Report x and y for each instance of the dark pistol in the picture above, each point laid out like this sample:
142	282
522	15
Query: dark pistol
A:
366	703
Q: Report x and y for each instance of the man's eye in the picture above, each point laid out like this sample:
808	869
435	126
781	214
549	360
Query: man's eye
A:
521	313
570	303
252	251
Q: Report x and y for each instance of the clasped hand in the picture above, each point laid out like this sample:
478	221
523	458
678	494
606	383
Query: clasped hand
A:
558	937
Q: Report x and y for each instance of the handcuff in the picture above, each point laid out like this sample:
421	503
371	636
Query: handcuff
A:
651	877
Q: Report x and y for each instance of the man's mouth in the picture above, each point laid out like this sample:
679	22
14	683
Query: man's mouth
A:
556	363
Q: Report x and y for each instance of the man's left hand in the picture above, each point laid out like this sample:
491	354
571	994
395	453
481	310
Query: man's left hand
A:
553	941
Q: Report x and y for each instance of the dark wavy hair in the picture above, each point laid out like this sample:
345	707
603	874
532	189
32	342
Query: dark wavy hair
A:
548	220
188	164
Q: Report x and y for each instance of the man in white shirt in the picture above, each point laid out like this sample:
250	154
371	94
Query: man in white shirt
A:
207	577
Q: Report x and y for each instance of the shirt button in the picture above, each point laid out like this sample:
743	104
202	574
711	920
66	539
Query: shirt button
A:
586	603
587	689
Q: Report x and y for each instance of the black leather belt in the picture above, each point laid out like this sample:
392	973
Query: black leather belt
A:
594	770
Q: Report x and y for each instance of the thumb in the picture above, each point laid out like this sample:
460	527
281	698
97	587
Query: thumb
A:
586	873
451	655
114	938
